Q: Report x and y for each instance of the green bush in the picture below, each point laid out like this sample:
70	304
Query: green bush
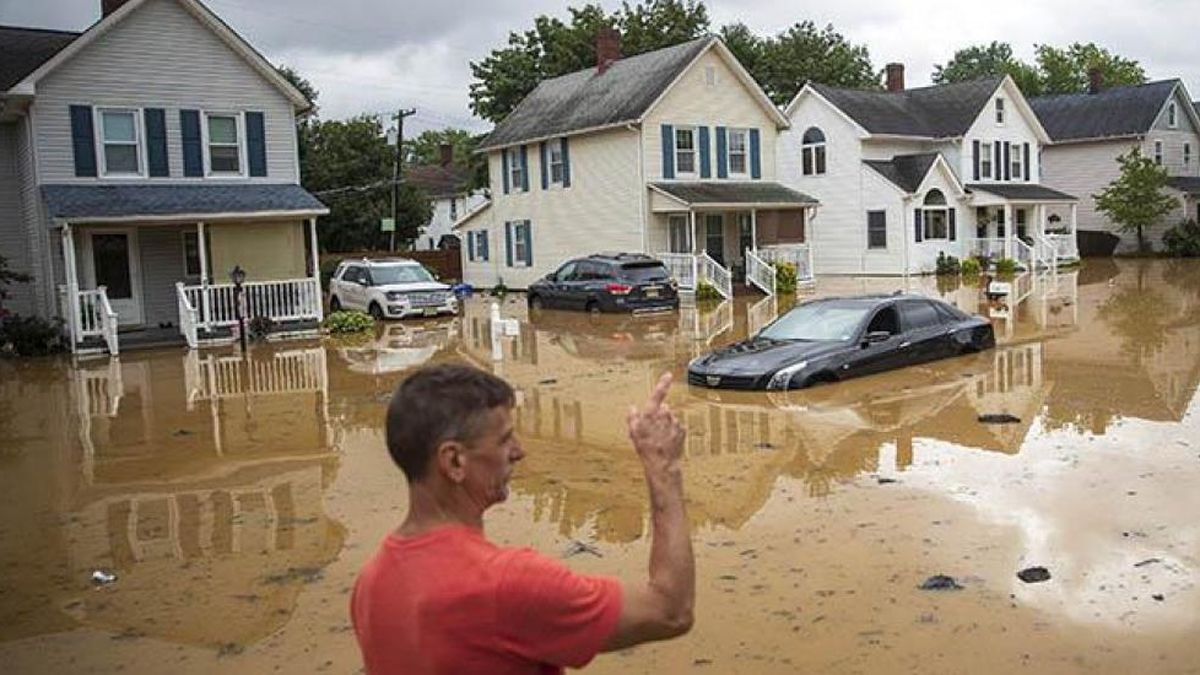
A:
499	290
706	292
348	321
947	264
1006	266
1183	240
259	328
30	336
785	278
971	268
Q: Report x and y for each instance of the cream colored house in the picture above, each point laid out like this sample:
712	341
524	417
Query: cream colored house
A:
141	162
669	153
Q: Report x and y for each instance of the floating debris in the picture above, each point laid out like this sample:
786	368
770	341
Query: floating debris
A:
1158	597
182	432
549	380
999	418
1147	561
886	481
102	578
941	582
1034	575
578	547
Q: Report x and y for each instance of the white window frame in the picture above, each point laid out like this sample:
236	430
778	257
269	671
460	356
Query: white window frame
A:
1015	162
745	153
521	236
810	150
555	164
986	159
139	137
1172	115
1158	153
481	247
695	150
240	122
679	223
515	174
925	212
885	230
1001	112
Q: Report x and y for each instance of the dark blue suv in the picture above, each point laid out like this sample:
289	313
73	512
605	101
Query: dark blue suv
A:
607	282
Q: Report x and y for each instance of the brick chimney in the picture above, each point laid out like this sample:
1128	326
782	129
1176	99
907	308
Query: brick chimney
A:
895	76
109	6
608	48
447	151
1095	80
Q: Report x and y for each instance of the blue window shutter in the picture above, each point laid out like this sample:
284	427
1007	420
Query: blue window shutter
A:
545	167
193	154
525	168
508	242
83	140
975	155
997	171
705	162
528	244
722	153
1007	161
156	142
755	156
566	163
668	151
256	143
504	169
485	244
471	246
920	235
952	216
1025	158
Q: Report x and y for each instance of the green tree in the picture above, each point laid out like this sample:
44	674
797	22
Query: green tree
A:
299	82
9	276
805	53
552	48
980	61
349	166
1135	200
426	149
745	45
1065	70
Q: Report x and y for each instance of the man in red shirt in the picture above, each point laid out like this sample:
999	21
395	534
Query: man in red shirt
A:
438	597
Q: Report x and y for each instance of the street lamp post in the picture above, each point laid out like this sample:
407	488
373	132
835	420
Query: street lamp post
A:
238	275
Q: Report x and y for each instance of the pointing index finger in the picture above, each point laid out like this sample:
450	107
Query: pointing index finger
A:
660	393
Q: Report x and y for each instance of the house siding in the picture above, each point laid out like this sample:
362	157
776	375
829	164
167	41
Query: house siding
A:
1082	170
1016	129
922	256
162	266
441	224
160	56
14	244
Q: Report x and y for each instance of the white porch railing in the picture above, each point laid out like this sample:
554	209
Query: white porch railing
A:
285	300
682	267
189	317
988	248
759	272
90	315
714	273
1024	254
288	372
796	255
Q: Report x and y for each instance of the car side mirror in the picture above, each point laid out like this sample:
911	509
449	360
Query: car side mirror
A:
875	337
552	278
364	282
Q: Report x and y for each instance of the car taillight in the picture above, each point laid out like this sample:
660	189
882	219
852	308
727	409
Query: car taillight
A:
618	289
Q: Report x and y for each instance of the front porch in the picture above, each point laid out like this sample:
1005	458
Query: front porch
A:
1031	224
149	280
727	233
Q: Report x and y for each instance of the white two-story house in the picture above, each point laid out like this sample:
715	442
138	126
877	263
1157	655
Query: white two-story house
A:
669	153
1090	130
448	187
905	174
142	163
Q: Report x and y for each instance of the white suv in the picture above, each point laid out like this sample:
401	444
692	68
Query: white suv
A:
393	288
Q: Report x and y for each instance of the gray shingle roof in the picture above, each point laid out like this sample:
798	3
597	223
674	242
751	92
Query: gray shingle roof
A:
1119	111
1022	191
906	171
586	99
22	50
940	111
726	192
1186	184
119	201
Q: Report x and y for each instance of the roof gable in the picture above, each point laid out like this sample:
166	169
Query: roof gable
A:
1111	113
940	111
22	50
27	84
911	172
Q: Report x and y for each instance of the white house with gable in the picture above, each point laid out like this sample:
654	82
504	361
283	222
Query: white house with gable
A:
906	174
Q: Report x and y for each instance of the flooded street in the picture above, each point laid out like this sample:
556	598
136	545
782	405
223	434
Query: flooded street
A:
235	500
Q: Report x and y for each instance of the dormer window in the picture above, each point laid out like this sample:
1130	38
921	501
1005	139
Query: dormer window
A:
120	139
812	152
685	150
224	137
1172	115
985	160
999	111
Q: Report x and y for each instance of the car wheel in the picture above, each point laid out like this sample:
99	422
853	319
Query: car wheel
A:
593	308
536	304
376	311
335	305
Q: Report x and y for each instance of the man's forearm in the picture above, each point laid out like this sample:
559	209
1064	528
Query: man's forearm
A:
672	567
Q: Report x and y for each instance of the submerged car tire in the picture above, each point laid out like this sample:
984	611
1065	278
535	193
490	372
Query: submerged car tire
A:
376	311
592	307
335	305
535	303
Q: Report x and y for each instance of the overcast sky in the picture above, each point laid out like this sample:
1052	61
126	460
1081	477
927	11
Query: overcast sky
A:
378	55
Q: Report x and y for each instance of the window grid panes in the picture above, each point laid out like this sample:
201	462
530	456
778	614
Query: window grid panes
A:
876	229
999	111
685	151
737	151
1016	161
935	224
812	152
985	160
514	170
224	154
119	132
1158	153
556	162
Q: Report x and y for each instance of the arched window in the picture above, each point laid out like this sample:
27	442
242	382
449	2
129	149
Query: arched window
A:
935	198
937	219
812	152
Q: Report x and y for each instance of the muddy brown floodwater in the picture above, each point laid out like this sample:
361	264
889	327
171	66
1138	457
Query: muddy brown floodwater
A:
235	499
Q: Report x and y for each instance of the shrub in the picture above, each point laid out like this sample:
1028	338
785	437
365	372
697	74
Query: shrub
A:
1183	240
348	321
971	268
1006	266
785	278
31	336
706	291
259	328
947	264
499	290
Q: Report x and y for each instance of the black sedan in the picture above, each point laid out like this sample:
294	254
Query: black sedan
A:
833	339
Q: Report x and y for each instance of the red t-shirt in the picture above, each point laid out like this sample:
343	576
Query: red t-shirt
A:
450	601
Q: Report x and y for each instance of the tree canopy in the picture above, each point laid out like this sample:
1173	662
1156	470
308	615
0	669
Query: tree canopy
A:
1054	71
426	149
552	47
1135	200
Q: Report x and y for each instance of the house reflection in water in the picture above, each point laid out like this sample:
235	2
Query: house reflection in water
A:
202	489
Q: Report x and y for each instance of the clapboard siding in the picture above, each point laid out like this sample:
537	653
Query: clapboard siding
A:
162	266
14	245
160	56
1082	170
1017	129
37	237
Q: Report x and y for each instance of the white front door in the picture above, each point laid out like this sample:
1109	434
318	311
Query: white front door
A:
110	258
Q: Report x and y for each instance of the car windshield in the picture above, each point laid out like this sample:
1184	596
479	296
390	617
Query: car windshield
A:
651	271
383	275
818	321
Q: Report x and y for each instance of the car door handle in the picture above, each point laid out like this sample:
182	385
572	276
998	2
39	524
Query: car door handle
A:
905	345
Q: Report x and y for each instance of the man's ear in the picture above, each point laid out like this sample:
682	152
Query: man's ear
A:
450	459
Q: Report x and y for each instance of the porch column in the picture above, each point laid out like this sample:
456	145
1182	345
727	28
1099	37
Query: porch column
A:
754	230
202	246
1009	226
1074	216
692	229
72	277
316	270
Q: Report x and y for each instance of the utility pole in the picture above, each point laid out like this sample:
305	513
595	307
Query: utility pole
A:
398	170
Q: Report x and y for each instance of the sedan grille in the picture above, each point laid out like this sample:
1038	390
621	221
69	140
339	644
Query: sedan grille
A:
427	298
722	381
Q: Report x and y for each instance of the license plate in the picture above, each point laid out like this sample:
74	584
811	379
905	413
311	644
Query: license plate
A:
651	292
431	311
